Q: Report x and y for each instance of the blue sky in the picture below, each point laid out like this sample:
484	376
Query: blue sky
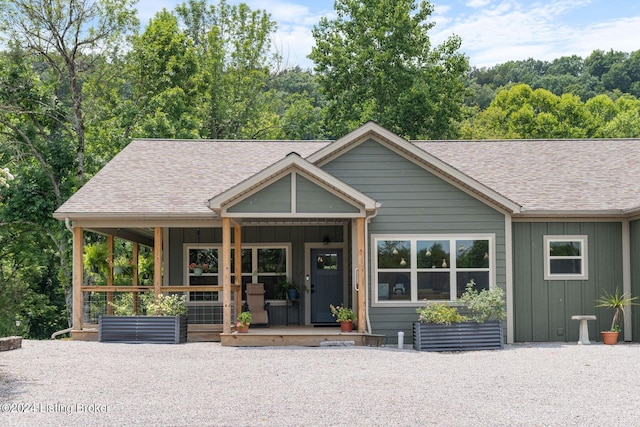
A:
492	31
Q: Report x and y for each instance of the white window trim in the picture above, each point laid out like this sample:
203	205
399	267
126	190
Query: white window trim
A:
254	267
414	270
548	239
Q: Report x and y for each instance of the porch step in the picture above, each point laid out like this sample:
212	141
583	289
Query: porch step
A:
288	336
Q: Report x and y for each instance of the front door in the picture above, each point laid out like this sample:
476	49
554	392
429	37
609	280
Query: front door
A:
326	285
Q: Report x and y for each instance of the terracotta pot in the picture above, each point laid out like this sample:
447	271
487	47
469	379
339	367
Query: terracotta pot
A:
346	326
609	337
242	329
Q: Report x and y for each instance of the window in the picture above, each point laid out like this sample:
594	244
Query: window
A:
203	270
263	264
430	267
565	258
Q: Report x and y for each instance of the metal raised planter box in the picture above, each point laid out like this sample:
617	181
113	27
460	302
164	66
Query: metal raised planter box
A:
465	336
143	329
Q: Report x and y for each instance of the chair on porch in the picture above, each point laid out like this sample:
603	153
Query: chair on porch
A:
256	304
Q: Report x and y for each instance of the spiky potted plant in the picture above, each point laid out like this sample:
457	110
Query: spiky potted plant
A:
617	302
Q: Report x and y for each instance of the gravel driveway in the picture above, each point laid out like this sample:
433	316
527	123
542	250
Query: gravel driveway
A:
72	383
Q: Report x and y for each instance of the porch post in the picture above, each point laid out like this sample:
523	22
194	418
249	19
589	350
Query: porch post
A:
361	277
157	261
135	281
226	275
237	240
78	272
110	275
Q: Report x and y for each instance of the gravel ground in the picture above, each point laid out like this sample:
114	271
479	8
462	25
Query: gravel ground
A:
72	383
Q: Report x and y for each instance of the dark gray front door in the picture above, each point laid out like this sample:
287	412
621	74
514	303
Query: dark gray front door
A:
326	283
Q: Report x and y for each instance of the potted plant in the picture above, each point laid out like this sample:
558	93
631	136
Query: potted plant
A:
344	315
617	302
243	321
440	327
289	289
95	258
165	320
120	264
198	269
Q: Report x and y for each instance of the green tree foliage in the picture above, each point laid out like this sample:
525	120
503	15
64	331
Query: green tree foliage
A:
521	112
375	62
232	44
51	49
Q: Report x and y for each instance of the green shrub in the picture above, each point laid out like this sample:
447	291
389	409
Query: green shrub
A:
164	305
440	313
485	305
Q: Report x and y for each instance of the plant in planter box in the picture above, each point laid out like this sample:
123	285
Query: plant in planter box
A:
617	302
439	313
165	320
485	305
440	327
164	305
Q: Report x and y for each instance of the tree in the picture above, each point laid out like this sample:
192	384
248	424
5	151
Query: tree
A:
163	68
520	112
374	62
51	48
66	36
232	44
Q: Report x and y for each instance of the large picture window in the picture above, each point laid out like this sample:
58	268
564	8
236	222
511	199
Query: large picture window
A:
412	269
565	258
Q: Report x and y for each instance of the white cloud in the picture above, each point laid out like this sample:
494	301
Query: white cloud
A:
514	30
477	3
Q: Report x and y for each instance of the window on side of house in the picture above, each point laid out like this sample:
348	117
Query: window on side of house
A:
437	268
565	258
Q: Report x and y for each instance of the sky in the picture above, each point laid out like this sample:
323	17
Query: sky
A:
492	31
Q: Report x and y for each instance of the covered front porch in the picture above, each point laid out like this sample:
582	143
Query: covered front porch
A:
290	222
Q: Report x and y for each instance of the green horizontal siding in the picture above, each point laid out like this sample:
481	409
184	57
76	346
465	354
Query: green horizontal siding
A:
275	198
414	201
311	198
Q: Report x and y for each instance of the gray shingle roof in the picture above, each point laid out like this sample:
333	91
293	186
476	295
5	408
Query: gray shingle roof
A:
551	175
177	177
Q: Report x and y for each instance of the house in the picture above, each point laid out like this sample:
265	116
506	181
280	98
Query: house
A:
375	222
